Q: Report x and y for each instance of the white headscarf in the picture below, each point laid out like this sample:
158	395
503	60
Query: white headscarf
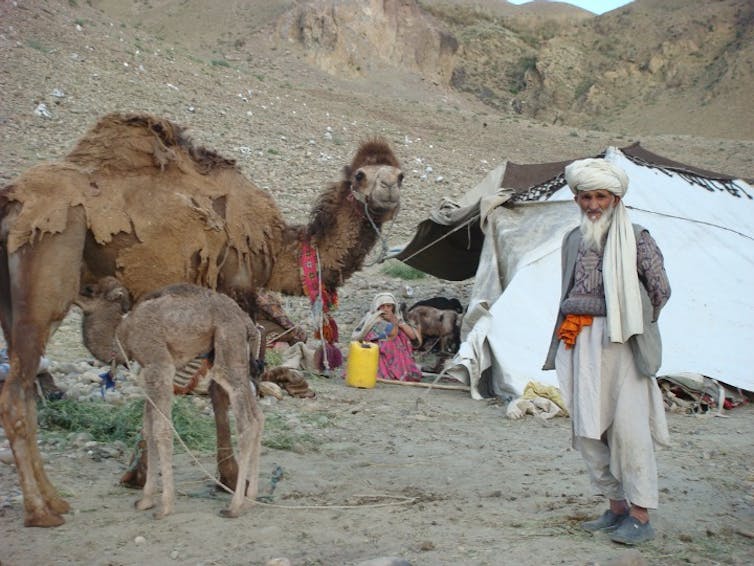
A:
374	315
383	299
619	274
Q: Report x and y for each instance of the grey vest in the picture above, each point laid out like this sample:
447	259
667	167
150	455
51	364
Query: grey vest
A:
646	347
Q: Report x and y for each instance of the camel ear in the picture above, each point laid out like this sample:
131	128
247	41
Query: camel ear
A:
119	295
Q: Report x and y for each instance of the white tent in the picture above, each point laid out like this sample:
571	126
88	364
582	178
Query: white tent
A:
703	222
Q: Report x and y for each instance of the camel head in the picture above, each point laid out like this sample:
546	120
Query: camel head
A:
106	290
371	182
374	178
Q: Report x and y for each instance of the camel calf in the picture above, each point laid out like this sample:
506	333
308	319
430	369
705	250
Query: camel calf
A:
162	333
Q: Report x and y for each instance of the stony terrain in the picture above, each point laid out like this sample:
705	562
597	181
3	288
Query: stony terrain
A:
435	478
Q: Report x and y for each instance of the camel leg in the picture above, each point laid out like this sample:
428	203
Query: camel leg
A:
150	482
238	388
226	461
33	301
42	506
158	386
257	427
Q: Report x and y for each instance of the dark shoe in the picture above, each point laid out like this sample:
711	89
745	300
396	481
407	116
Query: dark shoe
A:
608	522
632	531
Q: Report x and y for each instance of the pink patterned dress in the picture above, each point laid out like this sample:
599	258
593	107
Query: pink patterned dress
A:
396	360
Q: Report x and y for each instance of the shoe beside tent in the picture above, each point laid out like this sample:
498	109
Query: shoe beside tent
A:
507	233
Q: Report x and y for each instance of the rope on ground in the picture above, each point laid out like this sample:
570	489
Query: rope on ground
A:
400	500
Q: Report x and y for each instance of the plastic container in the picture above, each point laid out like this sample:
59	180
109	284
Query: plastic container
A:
361	368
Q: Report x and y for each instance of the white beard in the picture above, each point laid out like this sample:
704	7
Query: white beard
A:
594	232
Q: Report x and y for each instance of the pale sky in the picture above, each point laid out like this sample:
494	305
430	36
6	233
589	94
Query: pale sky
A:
596	6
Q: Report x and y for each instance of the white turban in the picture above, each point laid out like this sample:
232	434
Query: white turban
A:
594	174
619	275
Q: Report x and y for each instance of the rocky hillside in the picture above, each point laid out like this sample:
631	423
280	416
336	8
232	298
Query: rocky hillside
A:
647	66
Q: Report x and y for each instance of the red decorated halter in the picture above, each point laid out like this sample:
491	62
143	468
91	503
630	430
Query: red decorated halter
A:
310	280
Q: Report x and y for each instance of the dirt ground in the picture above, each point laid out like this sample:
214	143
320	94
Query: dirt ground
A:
429	476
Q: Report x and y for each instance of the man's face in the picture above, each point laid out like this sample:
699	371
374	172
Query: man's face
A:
594	203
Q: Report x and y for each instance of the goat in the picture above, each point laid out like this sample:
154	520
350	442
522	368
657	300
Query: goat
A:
437	323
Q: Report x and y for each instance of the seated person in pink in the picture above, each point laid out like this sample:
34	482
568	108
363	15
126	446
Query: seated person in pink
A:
396	338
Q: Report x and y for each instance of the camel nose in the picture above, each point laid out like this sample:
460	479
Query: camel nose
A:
391	180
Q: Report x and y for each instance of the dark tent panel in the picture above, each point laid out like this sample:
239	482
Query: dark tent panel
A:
451	249
446	252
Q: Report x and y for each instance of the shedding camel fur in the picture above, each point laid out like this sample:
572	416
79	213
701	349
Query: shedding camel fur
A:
163	333
135	199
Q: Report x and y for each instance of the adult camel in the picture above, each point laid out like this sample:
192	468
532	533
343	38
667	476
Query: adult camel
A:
137	200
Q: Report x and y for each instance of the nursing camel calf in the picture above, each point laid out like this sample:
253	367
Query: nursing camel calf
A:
164	332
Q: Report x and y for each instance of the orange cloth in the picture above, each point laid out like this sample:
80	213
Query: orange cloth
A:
571	327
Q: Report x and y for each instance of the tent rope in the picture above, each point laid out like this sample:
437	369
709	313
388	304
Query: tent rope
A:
712	224
437	240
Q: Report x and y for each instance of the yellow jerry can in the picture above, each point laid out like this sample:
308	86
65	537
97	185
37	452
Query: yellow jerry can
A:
361	368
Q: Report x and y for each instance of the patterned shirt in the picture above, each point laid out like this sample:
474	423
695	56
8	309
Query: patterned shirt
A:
587	296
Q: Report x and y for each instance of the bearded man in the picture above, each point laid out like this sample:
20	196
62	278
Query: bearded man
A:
606	349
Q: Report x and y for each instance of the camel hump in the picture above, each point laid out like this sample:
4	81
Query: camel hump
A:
375	151
126	141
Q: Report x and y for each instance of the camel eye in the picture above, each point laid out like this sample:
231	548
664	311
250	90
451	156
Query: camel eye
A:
360	176
400	178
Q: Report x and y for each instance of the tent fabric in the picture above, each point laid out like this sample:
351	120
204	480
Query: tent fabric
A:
446	242
449	243
703	222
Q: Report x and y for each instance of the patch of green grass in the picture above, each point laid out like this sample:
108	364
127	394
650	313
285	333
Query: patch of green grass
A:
34	44
583	87
272	359
279	432
219	63
110	423
395	268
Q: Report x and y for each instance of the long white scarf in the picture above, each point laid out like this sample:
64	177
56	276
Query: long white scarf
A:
621	279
